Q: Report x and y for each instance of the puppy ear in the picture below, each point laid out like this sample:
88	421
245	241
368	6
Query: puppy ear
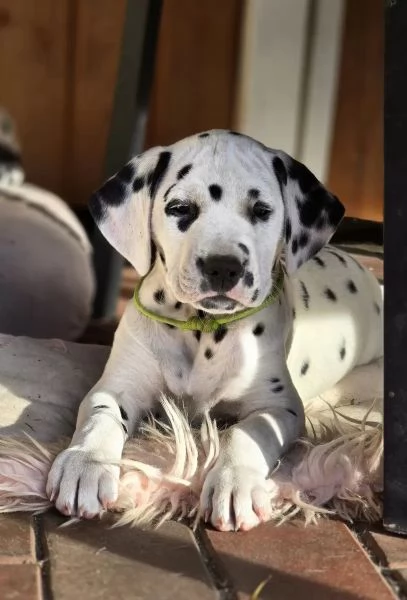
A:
122	207
312	214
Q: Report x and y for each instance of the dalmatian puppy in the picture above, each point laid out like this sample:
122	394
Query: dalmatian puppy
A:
206	223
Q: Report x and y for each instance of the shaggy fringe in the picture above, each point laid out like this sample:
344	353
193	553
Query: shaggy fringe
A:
337	470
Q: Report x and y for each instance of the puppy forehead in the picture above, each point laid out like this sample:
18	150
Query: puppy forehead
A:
221	157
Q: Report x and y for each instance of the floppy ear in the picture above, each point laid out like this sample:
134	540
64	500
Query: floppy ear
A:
122	206
312	214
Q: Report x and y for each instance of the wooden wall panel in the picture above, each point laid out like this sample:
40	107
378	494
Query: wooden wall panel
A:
194	83
98	27
33	75
356	164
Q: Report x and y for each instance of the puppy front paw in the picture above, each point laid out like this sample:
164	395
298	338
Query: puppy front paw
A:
235	498
81	484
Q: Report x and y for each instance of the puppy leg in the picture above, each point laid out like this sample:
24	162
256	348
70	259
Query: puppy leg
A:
84	479
236	493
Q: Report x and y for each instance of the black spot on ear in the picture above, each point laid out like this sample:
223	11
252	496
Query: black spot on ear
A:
294	246
244	248
184	171
288	230
319	261
155	178
159	296
303	239
203	135
248	279
96	208
138	184
208	354
377	308
338	256
304	367
277	389
342	352
351	287
328	293
281	172
168	191
177	305
220	334
113	192
259	329
255	295
123	413
197	335
127	173
215	191
304	294
306	180
275	380
254	193
292	412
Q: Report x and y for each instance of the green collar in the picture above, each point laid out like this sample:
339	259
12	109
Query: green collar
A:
210	323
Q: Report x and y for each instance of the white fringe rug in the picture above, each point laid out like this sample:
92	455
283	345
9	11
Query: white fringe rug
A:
336	470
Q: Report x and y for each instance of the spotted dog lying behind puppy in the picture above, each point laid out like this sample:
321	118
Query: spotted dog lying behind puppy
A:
206	223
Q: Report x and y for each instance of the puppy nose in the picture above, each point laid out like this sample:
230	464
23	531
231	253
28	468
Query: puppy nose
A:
222	272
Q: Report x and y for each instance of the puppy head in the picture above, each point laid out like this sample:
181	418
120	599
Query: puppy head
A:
220	208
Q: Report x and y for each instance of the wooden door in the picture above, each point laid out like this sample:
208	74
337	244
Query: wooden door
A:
356	163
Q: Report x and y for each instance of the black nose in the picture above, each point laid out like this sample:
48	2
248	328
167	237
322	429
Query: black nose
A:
222	272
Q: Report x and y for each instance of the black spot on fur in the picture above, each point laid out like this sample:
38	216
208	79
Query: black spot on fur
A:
294	246
244	248
304	367
259	329
304	294
319	261
138	184
330	295
288	230
155	178
8	156
351	287
168	191
292	412
277	389
254	193
220	334
342	352
377	308
338	256
197	335
248	279
100	406
177	305
303	239
159	296
200	264
255	295
112	193
281	173
215	191
208	353
127	173
235	133
170	326
184	171
97	208
275	380
125	428
123	413
203	135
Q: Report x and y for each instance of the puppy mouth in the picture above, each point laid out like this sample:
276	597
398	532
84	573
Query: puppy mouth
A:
219	302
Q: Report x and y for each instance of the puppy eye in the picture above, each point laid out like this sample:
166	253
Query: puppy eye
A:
261	211
178	209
